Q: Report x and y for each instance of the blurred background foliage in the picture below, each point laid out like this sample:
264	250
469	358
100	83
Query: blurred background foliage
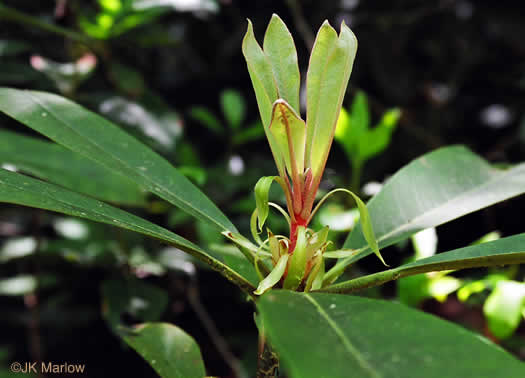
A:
171	73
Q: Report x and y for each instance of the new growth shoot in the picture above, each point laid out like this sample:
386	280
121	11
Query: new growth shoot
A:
300	149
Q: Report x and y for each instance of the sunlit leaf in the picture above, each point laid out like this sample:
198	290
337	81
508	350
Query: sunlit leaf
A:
503	308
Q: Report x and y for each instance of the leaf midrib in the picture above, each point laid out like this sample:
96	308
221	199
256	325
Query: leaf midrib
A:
350	348
405	226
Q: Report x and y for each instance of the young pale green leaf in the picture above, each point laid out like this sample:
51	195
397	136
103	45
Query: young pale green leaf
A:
233	107
327	335
262	190
510	250
297	265
375	140
92	136
436	188
56	164
265	87
503	308
207	118
330	66
289	132
170	351
275	276
366	222
22	190
279	47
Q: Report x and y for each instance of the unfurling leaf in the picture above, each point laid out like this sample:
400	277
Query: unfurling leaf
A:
275	275
289	132
328	73
262	188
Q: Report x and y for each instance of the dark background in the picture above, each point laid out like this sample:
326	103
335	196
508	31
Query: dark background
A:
455	68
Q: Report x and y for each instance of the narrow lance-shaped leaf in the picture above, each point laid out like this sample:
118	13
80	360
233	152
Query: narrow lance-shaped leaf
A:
22	190
330	335
297	265
328	74
367	228
289	132
280	49
262	189
265	87
510	250
57	164
275	276
170	351
434	189
94	137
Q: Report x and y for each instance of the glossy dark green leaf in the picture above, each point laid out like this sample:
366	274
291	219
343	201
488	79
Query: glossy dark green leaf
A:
510	250
279	47
57	164
95	138
19	189
436	188
170	351
330	335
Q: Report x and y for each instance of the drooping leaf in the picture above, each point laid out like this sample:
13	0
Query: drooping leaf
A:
436	188
233	107
274	276
330	66
366	222
22	190
170	351
509	250
264	85
94	137
289	132
503	308
328	335
59	165
262	189
280	49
